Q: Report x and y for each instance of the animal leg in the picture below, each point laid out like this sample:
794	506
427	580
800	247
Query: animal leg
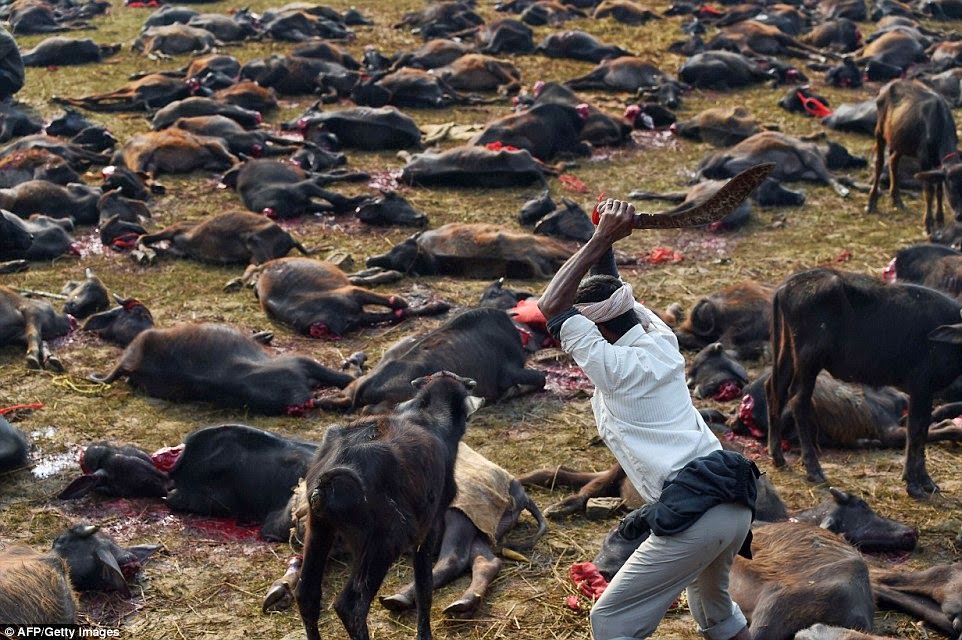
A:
317	546
452	562
927	193
894	157
484	569
918	482
800	406
363	296
876	173
354	601
423	585
523	381
33	325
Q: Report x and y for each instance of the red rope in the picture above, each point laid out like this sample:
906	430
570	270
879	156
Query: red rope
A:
17	407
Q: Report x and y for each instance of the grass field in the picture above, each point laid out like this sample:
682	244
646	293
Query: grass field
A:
207	585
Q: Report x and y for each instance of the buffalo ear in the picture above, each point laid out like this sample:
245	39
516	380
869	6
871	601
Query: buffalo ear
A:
143	551
80	487
931	176
110	571
950	333
472	404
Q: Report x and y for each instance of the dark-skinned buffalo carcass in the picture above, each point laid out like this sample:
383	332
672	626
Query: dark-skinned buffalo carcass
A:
219	364
481	343
475	251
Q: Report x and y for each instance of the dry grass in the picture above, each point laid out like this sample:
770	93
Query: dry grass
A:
206	586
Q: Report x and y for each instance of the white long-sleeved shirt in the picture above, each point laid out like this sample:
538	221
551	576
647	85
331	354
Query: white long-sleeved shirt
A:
641	401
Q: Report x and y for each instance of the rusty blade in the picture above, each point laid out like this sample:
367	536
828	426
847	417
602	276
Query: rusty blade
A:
723	202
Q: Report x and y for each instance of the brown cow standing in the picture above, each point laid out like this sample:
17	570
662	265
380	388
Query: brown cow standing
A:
914	121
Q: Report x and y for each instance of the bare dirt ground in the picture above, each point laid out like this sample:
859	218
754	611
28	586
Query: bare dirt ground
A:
210	581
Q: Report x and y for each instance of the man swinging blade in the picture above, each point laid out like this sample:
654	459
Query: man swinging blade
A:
700	499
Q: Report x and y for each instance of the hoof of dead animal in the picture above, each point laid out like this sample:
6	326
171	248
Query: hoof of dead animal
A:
279	598
397	602
33	362
601	508
54	364
462	606
14	266
143	257
233	286
263	337
562	509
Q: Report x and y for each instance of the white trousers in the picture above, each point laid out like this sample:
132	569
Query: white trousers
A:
698	558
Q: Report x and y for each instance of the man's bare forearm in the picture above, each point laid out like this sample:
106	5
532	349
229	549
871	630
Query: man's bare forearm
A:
560	293
616	222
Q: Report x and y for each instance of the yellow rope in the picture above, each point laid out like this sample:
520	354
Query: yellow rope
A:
81	386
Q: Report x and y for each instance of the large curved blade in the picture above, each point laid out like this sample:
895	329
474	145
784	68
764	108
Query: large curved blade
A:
714	208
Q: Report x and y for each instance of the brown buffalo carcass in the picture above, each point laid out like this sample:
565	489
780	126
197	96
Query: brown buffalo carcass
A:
219	364
235	237
794	158
475	251
915	121
847	415
174	151
153	91
751	37
920	353
737	316
35	589
31	322
319	300
933	594
384	484
481	343
478	72
720	126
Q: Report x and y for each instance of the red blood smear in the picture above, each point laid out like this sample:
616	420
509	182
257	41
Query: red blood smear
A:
572	183
659	255
572	603
165	459
844	256
498	146
224	529
889	274
728	390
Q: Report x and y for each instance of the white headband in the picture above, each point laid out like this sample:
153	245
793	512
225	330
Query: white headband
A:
617	303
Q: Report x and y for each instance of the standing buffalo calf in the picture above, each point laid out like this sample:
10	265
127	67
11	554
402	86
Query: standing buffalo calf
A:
34	588
475	251
915	121
319	300
902	335
219	364
383	484
481	343
236	237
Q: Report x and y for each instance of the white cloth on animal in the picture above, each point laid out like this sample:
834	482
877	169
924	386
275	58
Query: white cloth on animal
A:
483	490
641	402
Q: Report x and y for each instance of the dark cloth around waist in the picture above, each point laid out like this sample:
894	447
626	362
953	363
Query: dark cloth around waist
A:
721	477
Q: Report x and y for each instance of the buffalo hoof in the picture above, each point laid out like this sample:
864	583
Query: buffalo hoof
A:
53	363
143	256
397	603
572	506
921	491
816	477
464	605
263	337
233	286
14	266
33	362
279	598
